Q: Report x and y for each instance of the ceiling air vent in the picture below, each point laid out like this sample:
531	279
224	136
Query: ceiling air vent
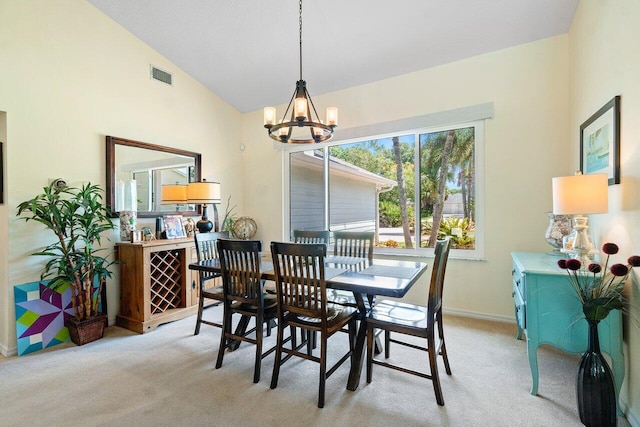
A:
160	75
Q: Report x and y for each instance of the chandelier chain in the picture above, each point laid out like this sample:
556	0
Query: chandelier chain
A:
300	33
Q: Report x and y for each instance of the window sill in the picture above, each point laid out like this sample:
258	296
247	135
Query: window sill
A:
384	253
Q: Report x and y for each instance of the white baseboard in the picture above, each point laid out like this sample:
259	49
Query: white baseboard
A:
8	351
12	351
630	415
477	315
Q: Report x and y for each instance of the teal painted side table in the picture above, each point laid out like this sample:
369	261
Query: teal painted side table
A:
549	312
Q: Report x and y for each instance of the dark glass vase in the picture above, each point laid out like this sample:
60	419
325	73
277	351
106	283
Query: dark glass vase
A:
596	392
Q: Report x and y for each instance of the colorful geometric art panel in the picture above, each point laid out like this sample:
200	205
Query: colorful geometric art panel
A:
40	316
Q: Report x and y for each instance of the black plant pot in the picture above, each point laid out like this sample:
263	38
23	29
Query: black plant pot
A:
596	392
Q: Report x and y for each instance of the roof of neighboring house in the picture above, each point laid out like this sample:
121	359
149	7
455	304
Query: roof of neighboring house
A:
313	159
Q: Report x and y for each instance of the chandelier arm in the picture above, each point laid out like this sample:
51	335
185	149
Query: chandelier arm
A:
312	106
284	116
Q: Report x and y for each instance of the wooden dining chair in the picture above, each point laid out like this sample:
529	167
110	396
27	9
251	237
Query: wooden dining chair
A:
311	236
358	244
206	250
417	321
353	243
243	295
302	303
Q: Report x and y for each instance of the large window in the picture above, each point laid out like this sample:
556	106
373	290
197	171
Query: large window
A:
411	188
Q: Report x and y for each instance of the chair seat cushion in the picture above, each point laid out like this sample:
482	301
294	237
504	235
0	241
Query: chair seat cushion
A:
409	315
336	315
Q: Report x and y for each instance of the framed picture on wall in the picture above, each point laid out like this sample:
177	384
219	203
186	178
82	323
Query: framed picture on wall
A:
173	227
600	142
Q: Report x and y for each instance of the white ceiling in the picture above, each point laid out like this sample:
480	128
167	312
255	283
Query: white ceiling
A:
247	51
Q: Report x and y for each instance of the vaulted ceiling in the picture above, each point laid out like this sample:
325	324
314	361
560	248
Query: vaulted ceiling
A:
247	52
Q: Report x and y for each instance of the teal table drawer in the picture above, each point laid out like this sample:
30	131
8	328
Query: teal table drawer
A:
520	308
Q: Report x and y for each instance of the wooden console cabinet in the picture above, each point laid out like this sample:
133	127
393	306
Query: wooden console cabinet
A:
156	285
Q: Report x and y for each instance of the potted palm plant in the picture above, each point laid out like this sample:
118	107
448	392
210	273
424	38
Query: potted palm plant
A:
78	218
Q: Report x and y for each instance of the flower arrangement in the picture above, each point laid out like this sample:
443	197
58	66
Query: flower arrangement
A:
599	289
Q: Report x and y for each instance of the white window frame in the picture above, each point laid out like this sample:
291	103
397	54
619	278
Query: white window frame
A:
453	119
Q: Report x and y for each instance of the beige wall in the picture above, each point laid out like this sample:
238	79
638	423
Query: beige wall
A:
70	76
604	62
525	146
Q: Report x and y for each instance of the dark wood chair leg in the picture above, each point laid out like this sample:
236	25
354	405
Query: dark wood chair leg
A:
310	337
294	337
387	344
323	370
226	327
270	324
377	347
443	346
352	337
259	333
278	357
200	307
433	363
369	355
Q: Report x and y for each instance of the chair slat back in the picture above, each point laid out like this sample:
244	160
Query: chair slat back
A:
353	244
240	266
206	246
436	286
300	283
311	236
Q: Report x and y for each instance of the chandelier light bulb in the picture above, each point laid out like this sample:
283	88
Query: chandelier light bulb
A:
269	116
301	109
332	116
283	131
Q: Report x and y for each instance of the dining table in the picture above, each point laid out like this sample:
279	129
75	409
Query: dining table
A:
365	278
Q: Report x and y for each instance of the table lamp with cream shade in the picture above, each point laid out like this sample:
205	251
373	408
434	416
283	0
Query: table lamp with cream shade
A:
174	194
579	195
204	193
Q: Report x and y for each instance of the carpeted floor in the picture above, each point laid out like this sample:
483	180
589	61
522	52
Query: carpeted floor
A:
167	378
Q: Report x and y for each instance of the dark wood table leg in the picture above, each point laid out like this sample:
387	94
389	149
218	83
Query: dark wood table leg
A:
358	352
241	329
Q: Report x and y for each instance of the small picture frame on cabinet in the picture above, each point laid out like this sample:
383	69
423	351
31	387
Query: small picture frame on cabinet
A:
136	236
173	227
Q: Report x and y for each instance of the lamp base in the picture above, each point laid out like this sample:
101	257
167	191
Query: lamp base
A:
582	246
204	226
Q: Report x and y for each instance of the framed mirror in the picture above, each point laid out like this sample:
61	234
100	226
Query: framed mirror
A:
150	166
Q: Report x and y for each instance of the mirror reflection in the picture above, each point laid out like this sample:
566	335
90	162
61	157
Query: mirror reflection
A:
151	167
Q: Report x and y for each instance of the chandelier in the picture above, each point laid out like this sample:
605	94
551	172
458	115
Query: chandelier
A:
304	125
